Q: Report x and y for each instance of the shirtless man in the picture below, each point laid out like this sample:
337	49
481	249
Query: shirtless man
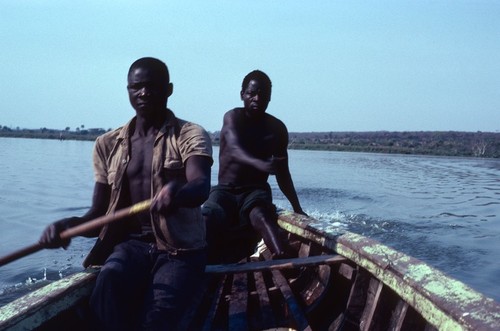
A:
253	145
150	261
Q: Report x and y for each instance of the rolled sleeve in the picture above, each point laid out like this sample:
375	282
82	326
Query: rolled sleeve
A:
99	161
194	140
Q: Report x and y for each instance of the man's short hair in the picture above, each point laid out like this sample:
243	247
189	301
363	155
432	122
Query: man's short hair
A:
259	76
152	63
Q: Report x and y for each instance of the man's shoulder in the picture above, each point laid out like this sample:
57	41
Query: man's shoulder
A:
272	118
120	132
274	121
193	139
188	125
236	116
109	139
110	136
111	133
106	142
190	131
234	112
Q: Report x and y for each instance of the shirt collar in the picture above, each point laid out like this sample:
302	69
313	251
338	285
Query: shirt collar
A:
171	121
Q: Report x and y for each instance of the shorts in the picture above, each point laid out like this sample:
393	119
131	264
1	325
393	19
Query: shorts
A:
231	205
230	234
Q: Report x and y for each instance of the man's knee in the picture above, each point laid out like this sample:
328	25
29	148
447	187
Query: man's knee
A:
215	218
262	216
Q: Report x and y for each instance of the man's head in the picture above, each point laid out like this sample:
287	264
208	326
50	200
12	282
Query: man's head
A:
256	92
149	85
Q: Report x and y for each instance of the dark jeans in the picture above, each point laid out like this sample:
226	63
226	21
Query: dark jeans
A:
140	287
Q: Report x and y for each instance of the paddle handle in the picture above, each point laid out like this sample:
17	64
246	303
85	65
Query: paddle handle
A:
96	223
81	229
20	253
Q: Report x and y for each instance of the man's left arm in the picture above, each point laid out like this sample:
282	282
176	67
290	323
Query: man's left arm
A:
283	176
285	183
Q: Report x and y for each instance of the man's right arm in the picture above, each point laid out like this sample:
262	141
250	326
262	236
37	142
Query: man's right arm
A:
100	200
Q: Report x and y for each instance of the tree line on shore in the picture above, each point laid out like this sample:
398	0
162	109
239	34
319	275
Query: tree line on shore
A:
445	143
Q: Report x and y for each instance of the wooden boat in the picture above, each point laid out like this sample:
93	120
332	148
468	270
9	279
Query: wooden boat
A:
339	281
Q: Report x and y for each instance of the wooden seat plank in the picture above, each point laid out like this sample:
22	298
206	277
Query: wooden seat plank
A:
274	264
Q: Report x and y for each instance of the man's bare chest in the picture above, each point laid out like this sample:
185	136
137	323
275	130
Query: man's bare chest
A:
141	158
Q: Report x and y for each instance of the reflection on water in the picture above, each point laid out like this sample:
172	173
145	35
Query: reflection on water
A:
444	211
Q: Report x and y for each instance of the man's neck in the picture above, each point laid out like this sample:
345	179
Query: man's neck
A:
251	117
146	125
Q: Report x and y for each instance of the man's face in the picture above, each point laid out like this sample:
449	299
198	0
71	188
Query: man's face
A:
147	90
255	98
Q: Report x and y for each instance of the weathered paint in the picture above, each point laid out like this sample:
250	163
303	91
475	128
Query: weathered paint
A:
444	302
31	310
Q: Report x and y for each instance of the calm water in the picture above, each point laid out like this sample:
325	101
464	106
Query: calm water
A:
442	210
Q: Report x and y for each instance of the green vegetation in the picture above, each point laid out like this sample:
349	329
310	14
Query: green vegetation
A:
80	133
446	143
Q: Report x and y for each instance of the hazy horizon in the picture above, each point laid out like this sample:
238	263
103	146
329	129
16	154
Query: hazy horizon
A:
74	129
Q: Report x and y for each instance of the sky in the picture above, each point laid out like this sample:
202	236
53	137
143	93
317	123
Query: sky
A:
334	65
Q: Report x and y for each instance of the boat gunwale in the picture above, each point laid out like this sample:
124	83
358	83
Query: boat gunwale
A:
35	308
444	302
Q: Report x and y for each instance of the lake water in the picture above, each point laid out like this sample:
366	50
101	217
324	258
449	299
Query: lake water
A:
445	211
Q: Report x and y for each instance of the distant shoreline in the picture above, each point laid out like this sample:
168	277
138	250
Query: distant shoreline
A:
439	143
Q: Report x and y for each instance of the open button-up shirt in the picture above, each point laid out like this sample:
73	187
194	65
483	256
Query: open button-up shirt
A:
177	140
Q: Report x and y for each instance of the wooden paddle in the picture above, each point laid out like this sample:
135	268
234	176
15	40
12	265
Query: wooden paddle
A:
137	208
